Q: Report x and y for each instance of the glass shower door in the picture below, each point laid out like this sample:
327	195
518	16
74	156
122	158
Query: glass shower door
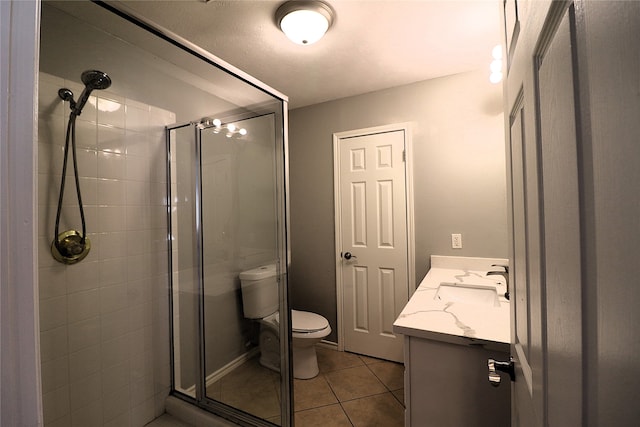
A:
239	233
229	186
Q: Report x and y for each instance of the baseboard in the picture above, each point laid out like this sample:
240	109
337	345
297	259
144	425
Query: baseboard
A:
231	366
217	375
212	378
328	345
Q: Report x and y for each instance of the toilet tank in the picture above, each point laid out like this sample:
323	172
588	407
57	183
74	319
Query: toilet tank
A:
259	291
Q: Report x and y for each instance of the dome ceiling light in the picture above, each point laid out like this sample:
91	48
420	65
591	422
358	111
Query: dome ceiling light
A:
304	21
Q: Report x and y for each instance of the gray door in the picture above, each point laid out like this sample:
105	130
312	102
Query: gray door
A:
546	253
573	131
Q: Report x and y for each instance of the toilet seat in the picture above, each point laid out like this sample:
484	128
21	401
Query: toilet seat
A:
308	329
303	323
306	322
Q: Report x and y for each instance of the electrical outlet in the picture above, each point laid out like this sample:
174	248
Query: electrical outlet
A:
456	241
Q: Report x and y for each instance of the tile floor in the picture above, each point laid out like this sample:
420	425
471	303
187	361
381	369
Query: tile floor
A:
251	388
350	391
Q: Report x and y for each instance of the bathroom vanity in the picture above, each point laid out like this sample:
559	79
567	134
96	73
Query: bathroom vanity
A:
456	320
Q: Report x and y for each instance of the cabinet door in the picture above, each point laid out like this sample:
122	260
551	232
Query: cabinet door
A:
451	389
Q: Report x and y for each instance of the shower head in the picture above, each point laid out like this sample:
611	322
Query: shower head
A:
92	79
95	79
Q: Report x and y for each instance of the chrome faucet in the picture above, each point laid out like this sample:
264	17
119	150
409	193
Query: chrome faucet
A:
504	274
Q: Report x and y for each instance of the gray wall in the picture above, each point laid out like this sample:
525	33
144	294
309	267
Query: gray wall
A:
459	176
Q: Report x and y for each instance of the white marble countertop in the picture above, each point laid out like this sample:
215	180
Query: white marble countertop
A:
424	316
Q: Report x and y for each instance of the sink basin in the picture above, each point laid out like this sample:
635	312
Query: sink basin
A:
468	294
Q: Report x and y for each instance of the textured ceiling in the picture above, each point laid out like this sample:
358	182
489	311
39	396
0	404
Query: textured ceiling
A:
372	45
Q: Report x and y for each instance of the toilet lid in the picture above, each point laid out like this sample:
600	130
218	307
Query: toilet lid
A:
259	273
304	321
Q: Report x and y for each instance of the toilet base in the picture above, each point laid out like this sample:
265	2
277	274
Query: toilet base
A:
305	361
269	348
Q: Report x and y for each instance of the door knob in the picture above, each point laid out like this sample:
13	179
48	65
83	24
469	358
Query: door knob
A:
348	256
495	366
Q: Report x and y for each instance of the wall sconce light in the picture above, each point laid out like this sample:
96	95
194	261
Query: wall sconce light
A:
496	65
229	129
304	21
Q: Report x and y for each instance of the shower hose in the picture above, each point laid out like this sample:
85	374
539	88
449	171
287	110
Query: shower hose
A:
74	248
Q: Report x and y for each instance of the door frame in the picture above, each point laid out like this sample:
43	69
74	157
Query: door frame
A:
408	179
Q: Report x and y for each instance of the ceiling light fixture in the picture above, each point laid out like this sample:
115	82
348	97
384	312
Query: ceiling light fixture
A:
304	21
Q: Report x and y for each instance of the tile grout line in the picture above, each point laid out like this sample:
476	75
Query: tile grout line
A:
337	399
346	414
340	402
387	387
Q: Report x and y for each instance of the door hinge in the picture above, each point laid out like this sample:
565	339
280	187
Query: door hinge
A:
404	155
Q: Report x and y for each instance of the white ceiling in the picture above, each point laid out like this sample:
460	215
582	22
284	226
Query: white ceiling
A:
372	45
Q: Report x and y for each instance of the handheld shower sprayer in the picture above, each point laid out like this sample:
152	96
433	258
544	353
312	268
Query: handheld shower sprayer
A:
92	79
71	246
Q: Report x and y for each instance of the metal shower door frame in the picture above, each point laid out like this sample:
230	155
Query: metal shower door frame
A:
286	371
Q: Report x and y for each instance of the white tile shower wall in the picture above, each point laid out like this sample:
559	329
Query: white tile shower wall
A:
104	321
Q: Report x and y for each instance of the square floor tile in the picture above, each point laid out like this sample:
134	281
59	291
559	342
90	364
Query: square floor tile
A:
332	360
382	410
259	399
399	394
312	393
250	387
331	415
352	383
389	373
214	391
250	372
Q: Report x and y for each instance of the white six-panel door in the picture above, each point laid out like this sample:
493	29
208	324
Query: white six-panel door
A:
373	266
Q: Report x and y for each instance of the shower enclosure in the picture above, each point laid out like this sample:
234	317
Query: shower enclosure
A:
225	209
182	167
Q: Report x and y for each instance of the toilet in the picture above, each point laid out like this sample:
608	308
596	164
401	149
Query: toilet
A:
260	302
